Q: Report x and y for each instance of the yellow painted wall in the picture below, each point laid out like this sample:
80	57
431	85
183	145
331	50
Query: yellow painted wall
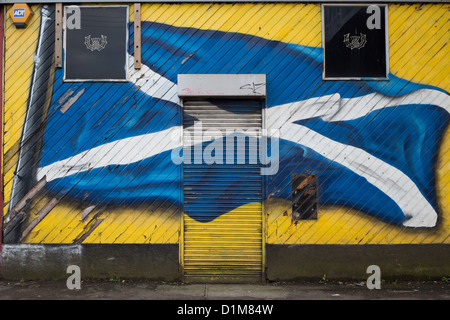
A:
418	51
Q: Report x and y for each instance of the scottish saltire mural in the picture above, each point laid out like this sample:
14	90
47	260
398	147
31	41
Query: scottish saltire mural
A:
373	145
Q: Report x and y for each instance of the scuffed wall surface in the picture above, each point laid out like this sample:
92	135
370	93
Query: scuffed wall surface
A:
100	199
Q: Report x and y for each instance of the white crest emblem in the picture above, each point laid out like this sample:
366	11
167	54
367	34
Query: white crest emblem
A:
95	43
355	42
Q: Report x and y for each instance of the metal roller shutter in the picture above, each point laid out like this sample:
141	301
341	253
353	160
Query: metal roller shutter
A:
223	227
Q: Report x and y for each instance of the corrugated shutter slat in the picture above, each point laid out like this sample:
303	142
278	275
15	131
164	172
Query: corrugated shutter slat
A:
218	246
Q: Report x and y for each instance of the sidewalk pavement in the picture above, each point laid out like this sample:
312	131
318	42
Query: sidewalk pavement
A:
115	289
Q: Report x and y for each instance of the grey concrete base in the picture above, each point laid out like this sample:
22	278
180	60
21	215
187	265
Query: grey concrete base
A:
47	261
343	262
160	262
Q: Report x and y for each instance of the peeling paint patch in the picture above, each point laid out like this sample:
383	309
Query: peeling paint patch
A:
41	215
71	101
88	233
188	57
86	212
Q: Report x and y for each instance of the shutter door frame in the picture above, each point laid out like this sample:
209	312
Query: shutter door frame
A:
213	82
208	254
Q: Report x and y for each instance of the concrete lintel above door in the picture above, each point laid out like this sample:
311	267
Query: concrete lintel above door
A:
222	85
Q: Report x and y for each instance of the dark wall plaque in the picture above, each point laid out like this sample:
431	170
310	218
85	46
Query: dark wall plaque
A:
355	41
96	45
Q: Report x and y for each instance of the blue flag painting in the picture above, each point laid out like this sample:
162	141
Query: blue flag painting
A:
372	144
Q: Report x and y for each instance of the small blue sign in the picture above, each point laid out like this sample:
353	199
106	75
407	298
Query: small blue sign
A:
19	13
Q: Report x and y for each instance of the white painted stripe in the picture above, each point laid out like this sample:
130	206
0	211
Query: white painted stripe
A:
152	83
120	152
332	108
390	180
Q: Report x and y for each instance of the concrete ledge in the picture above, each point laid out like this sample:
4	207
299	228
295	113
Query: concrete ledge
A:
160	262
350	262
50	261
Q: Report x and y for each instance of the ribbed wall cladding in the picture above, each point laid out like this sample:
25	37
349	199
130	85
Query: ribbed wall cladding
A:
92	162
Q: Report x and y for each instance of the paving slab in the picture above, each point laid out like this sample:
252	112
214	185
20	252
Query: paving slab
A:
115	289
